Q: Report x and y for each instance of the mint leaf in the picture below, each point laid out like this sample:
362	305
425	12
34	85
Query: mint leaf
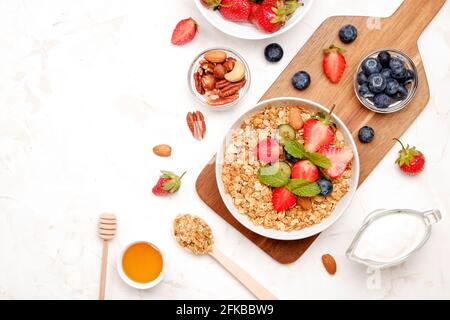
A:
319	160
272	177
303	188
295	148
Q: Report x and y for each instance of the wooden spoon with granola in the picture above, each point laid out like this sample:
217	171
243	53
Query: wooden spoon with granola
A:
195	235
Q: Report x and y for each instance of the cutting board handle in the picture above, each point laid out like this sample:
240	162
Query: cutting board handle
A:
423	12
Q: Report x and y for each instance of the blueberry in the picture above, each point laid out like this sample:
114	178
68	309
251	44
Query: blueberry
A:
371	65
348	33
290	158
402	93
273	52
301	80
326	187
361	78
392	86
365	92
384	57
386	73
398	69
381	101
377	83
410	75
366	134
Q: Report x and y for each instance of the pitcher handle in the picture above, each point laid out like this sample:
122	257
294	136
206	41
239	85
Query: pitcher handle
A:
432	216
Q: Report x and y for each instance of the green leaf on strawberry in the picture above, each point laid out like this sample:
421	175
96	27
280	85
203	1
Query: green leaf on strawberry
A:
273	177
303	188
297	150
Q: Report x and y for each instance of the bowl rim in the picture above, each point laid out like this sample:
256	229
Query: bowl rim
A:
134	284
297	15
309	231
242	92
411	93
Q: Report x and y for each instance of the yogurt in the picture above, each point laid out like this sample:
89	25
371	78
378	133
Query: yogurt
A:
391	237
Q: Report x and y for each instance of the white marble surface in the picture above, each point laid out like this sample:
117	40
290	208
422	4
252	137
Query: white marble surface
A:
88	87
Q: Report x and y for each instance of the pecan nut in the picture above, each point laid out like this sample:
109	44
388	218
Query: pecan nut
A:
196	123
198	83
224	100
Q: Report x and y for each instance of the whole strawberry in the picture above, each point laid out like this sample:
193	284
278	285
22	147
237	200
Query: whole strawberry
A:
233	10
410	160
167	184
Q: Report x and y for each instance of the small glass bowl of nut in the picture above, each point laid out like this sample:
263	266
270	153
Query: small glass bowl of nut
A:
219	78
386	81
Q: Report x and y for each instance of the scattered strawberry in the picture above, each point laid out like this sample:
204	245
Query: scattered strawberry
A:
283	199
410	160
305	170
184	31
268	150
339	157
167	184
318	132
334	63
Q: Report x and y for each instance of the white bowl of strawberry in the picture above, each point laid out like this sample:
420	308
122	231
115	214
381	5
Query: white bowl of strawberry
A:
253	19
288	168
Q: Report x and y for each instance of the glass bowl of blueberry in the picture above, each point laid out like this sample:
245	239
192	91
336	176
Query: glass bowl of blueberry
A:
386	81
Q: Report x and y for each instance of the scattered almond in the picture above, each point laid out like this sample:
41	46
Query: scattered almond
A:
329	263
304	203
295	119
162	150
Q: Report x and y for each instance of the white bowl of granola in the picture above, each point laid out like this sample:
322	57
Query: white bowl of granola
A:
242	169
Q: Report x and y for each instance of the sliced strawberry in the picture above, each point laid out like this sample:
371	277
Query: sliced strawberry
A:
305	170
268	151
317	134
334	63
184	31
339	157
283	199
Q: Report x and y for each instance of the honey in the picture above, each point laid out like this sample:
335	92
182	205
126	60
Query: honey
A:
142	262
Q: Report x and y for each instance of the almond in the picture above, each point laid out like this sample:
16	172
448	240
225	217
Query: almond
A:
304	203
329	263
162	150
216	56
295	119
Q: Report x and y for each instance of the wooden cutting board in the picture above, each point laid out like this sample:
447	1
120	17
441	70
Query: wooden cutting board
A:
400	31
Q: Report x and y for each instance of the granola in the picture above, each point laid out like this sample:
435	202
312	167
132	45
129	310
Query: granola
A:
193	233
251	197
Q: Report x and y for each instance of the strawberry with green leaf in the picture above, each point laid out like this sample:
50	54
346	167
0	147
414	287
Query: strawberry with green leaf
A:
410	160
319	131
167	184
334	63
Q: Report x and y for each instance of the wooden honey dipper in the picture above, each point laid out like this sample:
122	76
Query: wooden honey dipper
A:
107	227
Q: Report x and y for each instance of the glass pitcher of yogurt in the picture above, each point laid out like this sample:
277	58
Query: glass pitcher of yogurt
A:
389	237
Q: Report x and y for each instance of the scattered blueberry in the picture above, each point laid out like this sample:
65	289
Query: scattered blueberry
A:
365	92
290	158
410	75
366	134
402	93
377	83
392	86
384	57
301	80
386	73
371	65
326	187
348	33
361	78
381	101
273	52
